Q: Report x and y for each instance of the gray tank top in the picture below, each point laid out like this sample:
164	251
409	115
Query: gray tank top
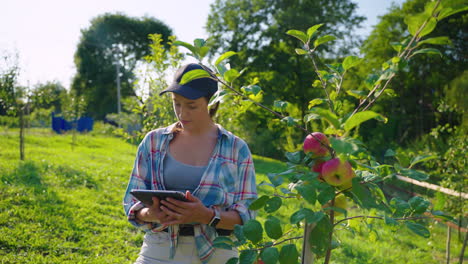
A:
179	176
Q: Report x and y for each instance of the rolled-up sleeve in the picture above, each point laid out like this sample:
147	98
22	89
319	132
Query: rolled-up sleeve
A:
140	178
246	191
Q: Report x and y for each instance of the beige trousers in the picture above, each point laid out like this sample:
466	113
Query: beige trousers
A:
156	249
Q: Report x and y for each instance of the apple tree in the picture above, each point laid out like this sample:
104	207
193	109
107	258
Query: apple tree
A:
334	167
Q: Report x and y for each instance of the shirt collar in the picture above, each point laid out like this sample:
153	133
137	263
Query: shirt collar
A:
172	128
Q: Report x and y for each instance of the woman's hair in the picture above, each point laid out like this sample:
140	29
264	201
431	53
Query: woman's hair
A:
214	108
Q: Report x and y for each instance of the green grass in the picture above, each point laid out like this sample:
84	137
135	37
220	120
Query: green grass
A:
63	205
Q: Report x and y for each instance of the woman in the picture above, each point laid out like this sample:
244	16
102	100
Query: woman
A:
211	165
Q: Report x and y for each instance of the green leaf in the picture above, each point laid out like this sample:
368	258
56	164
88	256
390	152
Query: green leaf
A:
414	22
418	229
253	231
231	75
340	145
315	102
311	31
300	215
193	75
442	215
327	115
273	204
239	233
308	192
351	61
359	94
275	178
430	26
199	42
319	239
435	41
233	260
428	51
288	254
254	89
224	56
400	206
273	227
421	158
362	195
414	174
247	256
419	204
203	51
294	157
389	153
301	51
390	221
397	46
289	121
319	41
280	105
186	45
270	255
316	217
223	242
445	12
298	34
336	67
326	195
361	117
259	203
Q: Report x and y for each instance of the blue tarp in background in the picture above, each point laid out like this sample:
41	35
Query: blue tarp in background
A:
83	124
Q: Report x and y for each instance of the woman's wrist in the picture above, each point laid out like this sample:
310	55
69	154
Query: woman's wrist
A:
208	216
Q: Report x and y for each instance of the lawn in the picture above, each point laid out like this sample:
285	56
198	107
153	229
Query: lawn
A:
63	205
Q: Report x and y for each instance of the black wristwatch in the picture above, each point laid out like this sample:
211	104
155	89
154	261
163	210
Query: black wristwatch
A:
216	218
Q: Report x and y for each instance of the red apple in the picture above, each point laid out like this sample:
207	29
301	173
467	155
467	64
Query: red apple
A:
337	172
312	145
317	167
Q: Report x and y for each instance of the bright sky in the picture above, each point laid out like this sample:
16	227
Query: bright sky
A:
45	33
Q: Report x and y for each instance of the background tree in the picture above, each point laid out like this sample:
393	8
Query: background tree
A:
111	38
48	96
256	30
13	98
425	79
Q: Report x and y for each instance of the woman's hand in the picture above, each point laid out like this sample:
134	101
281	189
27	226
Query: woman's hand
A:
154	213
180	212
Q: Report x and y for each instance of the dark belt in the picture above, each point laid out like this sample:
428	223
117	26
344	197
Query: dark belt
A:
187	230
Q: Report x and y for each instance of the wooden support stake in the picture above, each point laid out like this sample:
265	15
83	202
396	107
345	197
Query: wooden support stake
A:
433	187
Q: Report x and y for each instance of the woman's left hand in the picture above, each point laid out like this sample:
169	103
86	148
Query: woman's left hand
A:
186	212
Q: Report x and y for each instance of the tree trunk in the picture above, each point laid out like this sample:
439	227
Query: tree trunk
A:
307	257
447	245
462	253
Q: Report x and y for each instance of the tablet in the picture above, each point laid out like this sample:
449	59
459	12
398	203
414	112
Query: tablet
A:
145	196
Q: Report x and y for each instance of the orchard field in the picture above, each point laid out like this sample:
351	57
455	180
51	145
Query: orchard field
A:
63	205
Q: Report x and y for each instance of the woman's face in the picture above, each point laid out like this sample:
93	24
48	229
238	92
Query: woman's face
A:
191	113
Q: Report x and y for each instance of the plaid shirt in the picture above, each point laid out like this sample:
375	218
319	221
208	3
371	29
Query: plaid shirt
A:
228	182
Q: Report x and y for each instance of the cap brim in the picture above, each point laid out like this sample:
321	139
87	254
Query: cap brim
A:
184	90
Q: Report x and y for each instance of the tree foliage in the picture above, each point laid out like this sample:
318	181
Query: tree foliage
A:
109	39
10	91
415	95
256	31
323	181
49	95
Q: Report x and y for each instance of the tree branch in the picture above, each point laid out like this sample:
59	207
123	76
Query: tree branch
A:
382	218
281	242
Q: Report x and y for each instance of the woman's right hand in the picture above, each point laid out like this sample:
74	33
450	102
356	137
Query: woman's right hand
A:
153	213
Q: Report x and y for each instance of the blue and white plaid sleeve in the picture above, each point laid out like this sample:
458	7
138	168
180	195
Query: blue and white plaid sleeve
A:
139	179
